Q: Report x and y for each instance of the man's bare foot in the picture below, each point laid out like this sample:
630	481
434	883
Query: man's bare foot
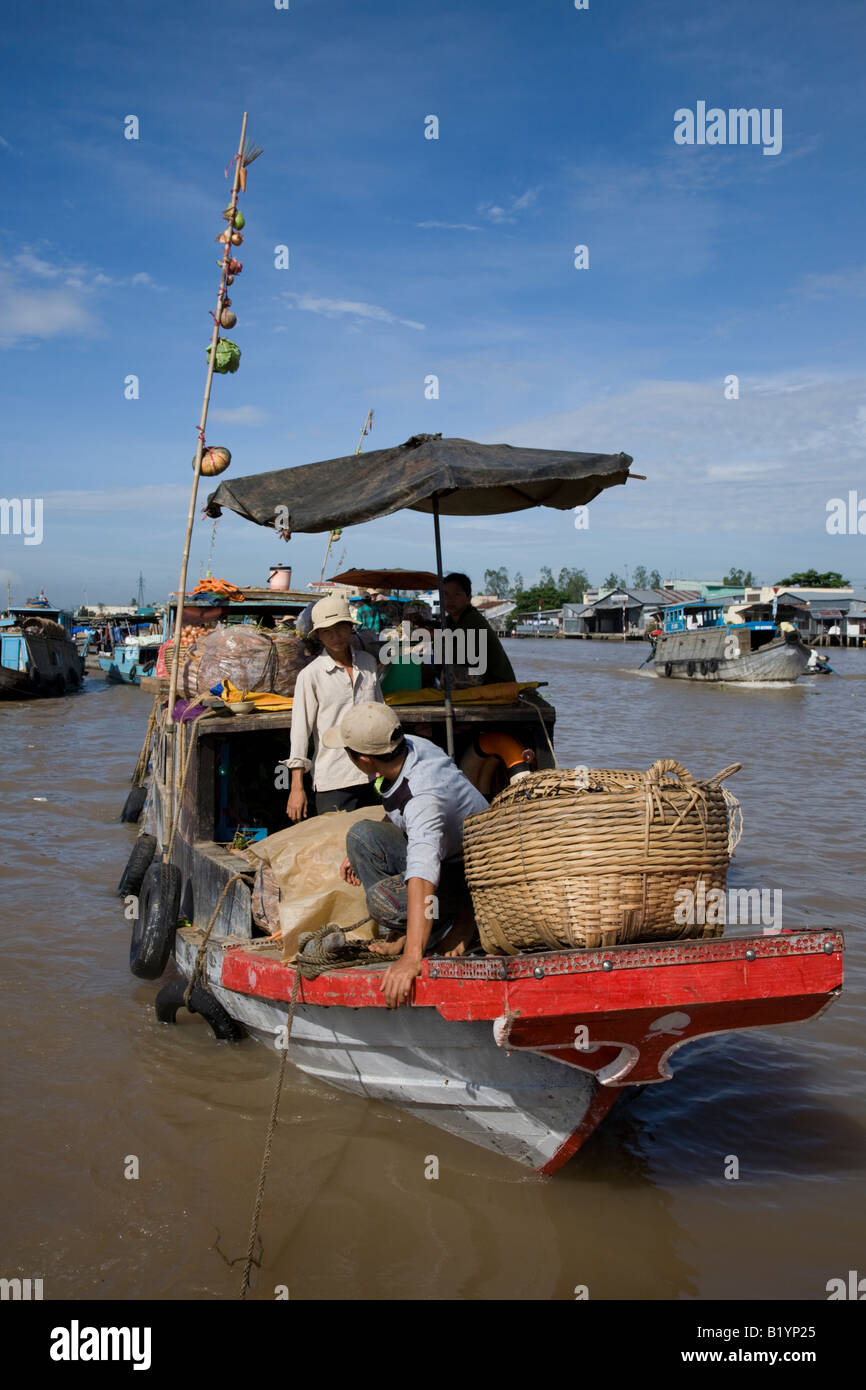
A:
387	948
459	937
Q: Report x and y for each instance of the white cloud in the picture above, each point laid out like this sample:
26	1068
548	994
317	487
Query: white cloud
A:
498	212
148	499
241	415
847	282
357	309
41	313
450	226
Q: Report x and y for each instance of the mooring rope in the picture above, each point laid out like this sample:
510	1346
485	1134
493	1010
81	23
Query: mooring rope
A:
269	1136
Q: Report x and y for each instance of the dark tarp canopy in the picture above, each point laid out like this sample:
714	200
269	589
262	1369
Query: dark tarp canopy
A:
468	479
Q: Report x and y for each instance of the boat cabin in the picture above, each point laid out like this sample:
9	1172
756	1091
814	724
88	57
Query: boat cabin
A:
692	617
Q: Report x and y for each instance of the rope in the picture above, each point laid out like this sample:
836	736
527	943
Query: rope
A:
314	959
141	765
266	1155
197	974
543	727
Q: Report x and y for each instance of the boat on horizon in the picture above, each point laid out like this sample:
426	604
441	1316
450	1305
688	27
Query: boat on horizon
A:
38	658
697	644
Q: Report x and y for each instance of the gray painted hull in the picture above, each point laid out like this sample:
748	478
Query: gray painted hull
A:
703	657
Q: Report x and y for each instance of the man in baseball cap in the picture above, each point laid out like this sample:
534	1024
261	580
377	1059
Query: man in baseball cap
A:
410	866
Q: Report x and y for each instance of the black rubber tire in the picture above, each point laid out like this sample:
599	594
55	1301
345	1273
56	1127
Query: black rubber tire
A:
137	865
132	670
134	805
201	1001
705	668
690	668
713	664
34	676
154	927
668	668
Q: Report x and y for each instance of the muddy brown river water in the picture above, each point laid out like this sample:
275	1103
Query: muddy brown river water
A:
91	1080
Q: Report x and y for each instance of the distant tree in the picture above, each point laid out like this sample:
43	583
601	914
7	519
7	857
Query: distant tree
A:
655	580
613	581
811	579
496	582
641	577
738	580
516	585
572	585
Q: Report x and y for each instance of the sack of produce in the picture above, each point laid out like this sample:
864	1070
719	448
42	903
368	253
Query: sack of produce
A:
578	858
293	655
241	654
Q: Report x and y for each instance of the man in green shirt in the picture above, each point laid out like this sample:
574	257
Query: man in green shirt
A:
461	616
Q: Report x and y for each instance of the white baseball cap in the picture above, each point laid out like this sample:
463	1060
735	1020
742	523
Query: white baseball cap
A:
330	611
368	728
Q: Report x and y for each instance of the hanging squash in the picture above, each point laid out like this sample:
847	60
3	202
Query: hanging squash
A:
214	461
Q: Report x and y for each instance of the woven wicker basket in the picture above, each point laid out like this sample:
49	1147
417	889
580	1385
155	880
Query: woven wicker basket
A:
572	857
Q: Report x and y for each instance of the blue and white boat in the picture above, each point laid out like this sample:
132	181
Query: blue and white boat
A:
697	644
135	652
37	656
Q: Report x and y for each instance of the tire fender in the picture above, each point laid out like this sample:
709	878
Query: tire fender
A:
201	1001
137	865
134	805
155	924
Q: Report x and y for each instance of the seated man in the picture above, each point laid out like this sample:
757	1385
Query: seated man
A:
412	867
463	616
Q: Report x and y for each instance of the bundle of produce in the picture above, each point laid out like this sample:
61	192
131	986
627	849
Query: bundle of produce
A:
579	858
188	636
250	658
293	655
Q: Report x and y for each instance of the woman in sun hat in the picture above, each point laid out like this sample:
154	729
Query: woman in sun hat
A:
325	691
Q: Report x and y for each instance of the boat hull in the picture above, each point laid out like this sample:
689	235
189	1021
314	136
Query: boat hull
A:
523	1063
708	657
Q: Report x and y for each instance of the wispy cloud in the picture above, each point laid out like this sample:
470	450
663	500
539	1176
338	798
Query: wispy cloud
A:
848	282
509	211
356	309
41	313
241	415
451	226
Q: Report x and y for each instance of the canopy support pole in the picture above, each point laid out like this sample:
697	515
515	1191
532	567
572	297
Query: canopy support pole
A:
446	665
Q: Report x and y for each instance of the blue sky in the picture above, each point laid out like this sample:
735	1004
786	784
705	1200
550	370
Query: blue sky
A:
452	257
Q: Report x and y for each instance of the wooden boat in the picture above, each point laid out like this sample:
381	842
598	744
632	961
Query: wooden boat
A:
697	644
523	1055
38	658
131	659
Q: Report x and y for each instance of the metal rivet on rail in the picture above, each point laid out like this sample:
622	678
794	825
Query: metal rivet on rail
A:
538	972
503	971
607	965
828	948
434	972
750	955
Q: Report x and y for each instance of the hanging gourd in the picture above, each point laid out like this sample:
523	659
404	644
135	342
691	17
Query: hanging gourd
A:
214	461
228	318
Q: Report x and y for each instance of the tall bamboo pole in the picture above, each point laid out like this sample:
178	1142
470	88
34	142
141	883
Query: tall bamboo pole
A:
172	768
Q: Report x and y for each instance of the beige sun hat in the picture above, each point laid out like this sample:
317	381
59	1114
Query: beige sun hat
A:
330	611
368	728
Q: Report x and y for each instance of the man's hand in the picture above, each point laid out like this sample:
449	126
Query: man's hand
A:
347	873
296	807
397	981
